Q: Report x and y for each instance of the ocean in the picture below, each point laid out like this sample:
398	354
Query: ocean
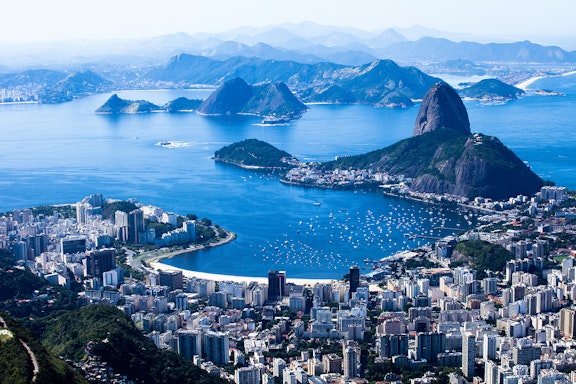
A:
53	154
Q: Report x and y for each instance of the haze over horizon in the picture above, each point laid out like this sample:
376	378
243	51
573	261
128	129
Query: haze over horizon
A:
64	20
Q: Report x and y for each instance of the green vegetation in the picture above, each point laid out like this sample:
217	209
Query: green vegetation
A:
115	105
482	256
492	89
182	104
109	209
443	161
121	345
16	365
254	153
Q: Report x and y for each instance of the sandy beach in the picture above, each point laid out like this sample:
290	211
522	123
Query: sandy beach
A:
158	265
154	262
526	83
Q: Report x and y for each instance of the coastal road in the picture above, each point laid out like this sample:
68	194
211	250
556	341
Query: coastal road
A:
135	260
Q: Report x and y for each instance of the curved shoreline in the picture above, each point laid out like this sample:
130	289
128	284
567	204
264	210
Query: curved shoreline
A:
154	262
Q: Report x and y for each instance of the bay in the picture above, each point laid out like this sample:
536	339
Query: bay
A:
56	154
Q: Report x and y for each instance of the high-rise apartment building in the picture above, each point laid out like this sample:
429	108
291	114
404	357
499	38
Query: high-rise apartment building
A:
136	226
100	261
276	285
354	278
216	347
468	354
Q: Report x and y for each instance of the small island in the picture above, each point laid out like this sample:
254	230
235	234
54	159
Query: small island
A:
274	102
491	91
116	105
256	154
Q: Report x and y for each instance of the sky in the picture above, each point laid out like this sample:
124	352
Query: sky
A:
25	21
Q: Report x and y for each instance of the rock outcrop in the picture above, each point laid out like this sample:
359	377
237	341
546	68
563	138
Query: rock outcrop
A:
443	157
235	96
442	108
228	99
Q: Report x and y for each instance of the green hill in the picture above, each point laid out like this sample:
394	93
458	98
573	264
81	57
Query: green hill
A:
491	89
442	162
119	343
182	104
382	83
443	157
75	85
16	365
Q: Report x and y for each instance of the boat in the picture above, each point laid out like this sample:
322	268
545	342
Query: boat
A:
316	203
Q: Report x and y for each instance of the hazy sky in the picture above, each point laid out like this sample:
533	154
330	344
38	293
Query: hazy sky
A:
49	20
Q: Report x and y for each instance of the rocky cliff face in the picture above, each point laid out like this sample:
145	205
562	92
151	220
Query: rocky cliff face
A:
481	166
442	108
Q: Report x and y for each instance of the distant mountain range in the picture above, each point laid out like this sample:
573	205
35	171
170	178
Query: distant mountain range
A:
304	42
381	83
318	63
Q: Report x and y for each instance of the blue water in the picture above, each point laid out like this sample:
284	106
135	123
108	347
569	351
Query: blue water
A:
55	154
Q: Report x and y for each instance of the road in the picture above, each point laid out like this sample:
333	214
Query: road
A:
35	365
135	260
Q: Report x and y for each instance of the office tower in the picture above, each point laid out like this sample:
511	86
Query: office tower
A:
98	262
276	285
190	228
172	279
81	209
135	226
216	347
181	301
468	354
524	352
354	278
